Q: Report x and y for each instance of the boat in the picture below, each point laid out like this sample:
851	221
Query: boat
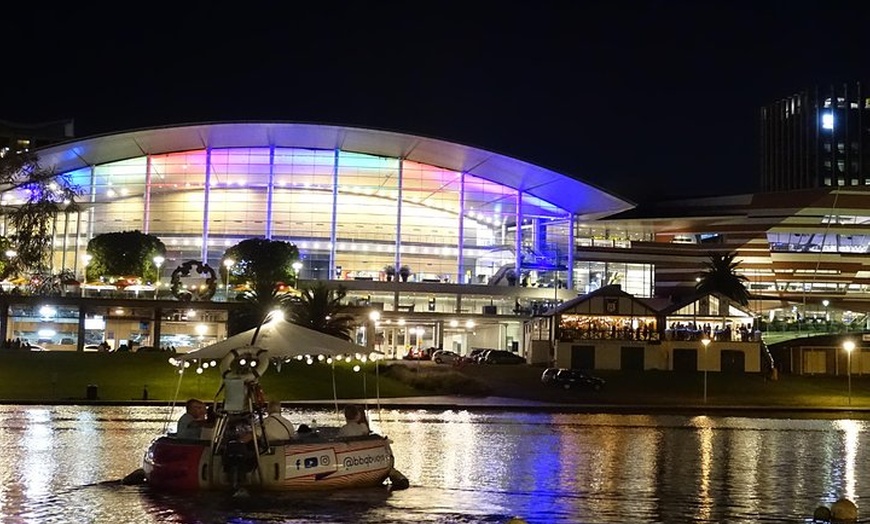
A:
316	460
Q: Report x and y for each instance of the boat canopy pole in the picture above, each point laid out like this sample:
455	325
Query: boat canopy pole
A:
174	399
335	392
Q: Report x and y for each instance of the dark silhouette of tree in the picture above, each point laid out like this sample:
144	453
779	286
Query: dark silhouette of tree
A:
321	309
261	263
124	253
38	196
256	308
720	275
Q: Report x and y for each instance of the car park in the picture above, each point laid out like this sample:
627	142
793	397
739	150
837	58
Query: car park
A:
501	356
444	356
572	379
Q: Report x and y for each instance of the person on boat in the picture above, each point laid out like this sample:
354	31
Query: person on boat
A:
192	421
356	423
275	426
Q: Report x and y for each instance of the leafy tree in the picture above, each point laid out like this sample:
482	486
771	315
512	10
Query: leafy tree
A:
720	275
40	195
124	253
321	309
261	263
6	261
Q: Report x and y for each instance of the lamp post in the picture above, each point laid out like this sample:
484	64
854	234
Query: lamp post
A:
826	303
297	267
158	261
848	345
228	263
86	259
706	342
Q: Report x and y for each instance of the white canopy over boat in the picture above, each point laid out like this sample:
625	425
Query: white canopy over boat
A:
281	339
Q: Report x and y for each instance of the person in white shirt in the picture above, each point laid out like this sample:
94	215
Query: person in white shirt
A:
275	425
356	423
193	420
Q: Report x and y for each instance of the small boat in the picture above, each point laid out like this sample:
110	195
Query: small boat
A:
319	459
317	462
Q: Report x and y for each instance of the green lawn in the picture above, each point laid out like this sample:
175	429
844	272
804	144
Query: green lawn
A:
65	376
124	376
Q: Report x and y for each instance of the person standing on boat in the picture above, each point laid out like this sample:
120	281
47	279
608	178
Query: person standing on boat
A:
356	423
275	426
192	421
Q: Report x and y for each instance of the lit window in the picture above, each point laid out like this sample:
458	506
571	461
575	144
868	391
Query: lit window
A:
828	121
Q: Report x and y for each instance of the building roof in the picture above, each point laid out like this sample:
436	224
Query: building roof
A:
571	194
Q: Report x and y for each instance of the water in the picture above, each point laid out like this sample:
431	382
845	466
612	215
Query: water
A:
62	464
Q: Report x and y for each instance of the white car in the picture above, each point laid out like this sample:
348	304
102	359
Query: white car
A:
444	356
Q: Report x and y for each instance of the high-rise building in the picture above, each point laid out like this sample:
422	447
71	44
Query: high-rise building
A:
18	137
816	138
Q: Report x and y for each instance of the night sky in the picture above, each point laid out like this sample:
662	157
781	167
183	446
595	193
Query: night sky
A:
645	99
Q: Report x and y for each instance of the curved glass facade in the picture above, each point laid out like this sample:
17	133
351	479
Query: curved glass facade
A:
351	214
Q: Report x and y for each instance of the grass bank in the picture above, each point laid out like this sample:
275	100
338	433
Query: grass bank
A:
65	376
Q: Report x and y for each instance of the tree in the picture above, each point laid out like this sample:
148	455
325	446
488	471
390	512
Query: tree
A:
321	309
125	253
256	308
262	263
720	276
38	196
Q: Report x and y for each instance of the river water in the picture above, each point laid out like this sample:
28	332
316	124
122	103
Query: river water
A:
62	464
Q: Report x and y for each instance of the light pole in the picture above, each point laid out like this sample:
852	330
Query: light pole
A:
86	259
228	263
848	345
706	342
158	261
826	303
297	267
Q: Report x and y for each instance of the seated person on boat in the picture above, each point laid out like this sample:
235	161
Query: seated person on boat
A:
192	421
356	423
275	426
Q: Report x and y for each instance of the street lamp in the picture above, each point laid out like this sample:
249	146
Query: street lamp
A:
827	303
158	261
86	259
848	345
297	267
706	342
228	263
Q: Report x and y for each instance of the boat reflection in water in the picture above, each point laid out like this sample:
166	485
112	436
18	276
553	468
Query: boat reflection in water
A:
64	464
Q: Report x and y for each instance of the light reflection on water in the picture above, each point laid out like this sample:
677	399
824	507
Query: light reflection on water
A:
62	464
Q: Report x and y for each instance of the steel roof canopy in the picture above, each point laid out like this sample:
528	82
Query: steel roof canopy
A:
571	194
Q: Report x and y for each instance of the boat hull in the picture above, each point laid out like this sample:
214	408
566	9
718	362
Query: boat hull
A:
297	465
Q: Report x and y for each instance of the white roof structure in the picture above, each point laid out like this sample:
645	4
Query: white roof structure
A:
570	194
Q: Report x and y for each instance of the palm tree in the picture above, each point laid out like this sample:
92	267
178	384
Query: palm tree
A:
320	308
258	303
719	275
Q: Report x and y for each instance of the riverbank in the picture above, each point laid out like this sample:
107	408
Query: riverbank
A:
70	378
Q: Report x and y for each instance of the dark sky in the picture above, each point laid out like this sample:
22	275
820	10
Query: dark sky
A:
646	99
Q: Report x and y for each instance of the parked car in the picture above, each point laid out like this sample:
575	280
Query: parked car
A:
549	375
572	379
419	354
501	356
444	356
475	356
